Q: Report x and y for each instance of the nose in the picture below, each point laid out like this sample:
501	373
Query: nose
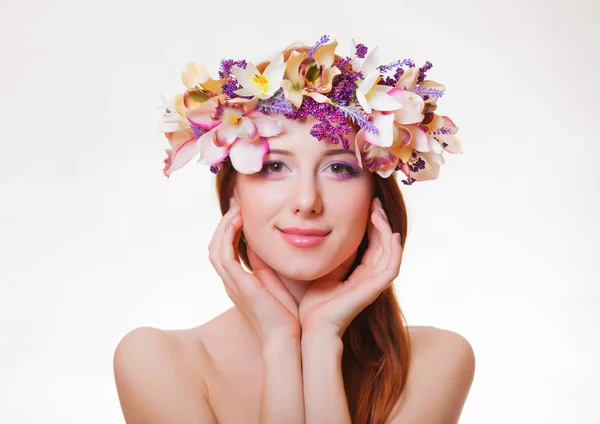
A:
306	198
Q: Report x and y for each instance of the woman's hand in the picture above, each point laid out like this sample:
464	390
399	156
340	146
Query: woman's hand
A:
329	305
261	297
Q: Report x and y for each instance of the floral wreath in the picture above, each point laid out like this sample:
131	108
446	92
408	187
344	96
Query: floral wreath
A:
393	105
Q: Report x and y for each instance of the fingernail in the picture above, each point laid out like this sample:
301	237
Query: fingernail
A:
378	202
397	237
232	202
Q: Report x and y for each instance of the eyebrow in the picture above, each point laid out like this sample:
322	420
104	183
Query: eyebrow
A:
331	152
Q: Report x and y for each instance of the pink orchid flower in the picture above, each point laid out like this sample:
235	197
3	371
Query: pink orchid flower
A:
417	138
236	129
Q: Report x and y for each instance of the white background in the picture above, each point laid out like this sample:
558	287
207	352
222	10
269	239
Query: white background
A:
95	241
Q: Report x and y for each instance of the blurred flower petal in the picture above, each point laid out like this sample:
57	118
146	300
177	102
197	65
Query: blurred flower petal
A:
267	126
247	158
385	125
325	54
409	78
412	106
210	153
183	149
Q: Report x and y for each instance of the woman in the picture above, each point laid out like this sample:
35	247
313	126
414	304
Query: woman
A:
316	334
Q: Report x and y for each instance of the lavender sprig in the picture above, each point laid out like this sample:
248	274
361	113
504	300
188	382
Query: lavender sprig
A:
396	64
324	39
357	115
276	104
431	92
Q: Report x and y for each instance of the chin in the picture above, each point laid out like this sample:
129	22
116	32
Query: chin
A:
304	267
305	273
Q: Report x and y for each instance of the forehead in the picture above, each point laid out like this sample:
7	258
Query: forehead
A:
296	138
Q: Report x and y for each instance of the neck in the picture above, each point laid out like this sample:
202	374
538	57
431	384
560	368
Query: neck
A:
297	288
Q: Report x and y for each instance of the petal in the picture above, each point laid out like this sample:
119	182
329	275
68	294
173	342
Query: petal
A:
194	98
244	76
291	93
410	136
179	156
210	153
362	100
379	100
419	139
292	72
225	134
213	85
436	123
248	91
246	129
402	136
412	106
176	139
325	54
194	74
386	172
276	67
449	124
449	143
171	122
274	78
385	125
408	80
318	97
379	160
247	158
327	83
179	104
433	144
430	163
358	144
371	62
367	84
267	126
201	116
364	88
375	158
402	153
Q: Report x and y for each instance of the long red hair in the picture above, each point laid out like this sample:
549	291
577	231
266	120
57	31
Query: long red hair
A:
376	355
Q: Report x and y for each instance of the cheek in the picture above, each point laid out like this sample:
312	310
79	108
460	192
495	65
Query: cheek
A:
351	209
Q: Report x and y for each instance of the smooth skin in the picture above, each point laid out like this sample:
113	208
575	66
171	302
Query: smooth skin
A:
276	356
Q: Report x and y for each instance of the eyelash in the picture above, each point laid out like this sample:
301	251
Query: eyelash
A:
350	171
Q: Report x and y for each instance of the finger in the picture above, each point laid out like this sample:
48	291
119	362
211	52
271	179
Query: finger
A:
385	235
215	255
392	269
373	237
230	264
215	241
261	270
338	274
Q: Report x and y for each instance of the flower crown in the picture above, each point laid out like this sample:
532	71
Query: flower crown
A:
232	117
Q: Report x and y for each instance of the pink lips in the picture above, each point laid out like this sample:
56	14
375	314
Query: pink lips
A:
303	237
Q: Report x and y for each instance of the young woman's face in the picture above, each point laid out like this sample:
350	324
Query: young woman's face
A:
311	185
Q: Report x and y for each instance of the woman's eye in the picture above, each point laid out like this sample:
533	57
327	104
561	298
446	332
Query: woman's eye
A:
341	169
338	168
272	167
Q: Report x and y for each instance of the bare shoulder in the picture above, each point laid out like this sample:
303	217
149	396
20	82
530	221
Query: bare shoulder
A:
433	343
158	380
439	379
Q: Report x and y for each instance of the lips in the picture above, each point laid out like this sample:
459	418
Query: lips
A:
303	237
304	231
